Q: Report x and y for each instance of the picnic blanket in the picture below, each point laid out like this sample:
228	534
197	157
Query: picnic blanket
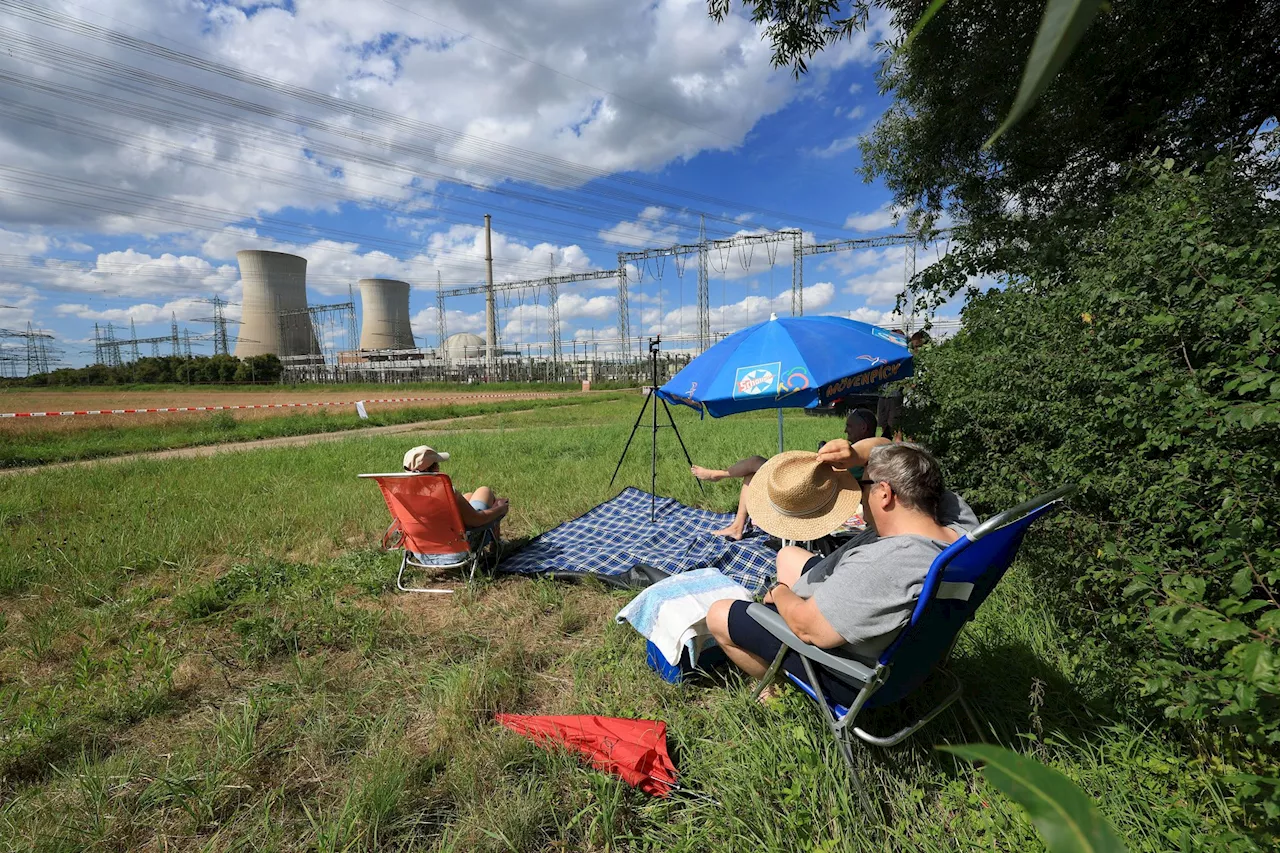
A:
672	614
617	534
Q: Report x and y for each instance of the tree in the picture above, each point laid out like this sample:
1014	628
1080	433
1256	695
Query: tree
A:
1188	77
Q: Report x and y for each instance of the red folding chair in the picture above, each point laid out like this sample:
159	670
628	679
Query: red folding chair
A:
427	521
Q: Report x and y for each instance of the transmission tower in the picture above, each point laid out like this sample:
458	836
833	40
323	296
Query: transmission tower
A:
704	288
441	331
553	312
37	348
110	348
797	274
173	332
624	305
133	335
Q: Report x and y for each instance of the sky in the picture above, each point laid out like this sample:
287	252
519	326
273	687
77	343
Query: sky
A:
143	143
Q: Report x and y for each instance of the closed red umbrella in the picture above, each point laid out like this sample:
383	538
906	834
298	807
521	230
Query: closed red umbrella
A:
635	750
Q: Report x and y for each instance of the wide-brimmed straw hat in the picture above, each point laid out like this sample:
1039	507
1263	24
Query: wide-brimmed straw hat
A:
794	496
422	457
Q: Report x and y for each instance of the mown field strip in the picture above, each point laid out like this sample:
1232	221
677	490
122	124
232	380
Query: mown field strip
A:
422	427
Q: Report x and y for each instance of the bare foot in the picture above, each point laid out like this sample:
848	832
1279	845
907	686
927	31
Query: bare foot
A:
733	533
708	475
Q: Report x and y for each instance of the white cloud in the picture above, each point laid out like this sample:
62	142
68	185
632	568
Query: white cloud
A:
642	85
142	313
647	229
881	217
835	148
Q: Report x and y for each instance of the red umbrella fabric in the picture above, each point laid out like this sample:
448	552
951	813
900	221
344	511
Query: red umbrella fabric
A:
635	750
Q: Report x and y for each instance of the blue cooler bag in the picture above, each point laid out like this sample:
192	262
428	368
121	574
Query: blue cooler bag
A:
710	657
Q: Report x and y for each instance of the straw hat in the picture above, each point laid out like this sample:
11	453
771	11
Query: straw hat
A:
422	457
794	496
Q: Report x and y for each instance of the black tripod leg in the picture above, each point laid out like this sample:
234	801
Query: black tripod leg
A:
627	446
667	409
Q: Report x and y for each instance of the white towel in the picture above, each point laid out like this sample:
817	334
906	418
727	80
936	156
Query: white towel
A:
672	614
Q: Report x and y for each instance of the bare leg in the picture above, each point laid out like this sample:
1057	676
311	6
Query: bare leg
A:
791	560
487	495
483	494
738	527
742	468
718	624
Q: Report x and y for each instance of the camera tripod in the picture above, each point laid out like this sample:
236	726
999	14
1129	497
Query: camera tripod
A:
654	345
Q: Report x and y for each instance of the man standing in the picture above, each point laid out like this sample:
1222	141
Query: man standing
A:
858	425
854	602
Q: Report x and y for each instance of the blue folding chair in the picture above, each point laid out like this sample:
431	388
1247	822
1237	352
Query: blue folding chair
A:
959	580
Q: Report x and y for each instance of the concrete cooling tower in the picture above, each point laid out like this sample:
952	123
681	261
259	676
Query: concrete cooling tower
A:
274	283
386	314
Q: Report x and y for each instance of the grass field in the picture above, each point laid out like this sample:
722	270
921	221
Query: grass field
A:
41	441
205	655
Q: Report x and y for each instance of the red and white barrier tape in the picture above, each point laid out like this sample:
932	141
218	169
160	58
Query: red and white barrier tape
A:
234	408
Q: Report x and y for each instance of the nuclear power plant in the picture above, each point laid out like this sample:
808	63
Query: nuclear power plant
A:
385	303
274	317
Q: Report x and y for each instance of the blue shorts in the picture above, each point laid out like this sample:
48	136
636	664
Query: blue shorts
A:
746	633
452	559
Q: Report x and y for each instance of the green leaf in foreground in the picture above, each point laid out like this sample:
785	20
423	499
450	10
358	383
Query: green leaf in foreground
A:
1061	28
920	24
1067	819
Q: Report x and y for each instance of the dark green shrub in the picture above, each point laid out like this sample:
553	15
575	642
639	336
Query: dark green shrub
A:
1151	376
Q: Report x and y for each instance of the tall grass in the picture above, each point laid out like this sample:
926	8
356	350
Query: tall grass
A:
205	654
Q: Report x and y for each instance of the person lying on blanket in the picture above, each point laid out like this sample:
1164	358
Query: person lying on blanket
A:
856	600
859	425
478	509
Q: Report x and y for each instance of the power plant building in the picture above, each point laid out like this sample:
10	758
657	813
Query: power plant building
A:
274	318
385	304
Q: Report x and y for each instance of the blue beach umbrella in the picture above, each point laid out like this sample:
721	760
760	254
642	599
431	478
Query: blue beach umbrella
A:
790	362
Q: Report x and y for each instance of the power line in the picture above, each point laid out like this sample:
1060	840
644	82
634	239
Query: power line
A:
556	171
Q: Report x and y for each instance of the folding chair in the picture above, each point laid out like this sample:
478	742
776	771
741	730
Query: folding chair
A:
427	521
958	581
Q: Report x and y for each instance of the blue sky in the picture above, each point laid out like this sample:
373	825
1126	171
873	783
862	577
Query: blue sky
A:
373	144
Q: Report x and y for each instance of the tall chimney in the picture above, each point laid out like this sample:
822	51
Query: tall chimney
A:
490	306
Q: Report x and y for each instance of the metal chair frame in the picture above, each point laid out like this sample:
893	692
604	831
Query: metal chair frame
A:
472	560
870	679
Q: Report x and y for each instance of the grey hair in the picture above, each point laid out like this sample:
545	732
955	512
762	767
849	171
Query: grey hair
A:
912	473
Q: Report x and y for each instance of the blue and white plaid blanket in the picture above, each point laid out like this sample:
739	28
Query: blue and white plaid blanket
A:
616	535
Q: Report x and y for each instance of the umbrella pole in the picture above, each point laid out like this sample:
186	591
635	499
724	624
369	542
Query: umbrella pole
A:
779	430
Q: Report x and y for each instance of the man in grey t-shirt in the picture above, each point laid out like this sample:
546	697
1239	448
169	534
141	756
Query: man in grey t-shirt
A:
856	600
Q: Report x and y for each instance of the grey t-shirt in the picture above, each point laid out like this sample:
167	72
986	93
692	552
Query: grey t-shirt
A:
867	592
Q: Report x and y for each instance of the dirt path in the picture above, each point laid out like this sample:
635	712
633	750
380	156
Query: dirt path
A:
431	427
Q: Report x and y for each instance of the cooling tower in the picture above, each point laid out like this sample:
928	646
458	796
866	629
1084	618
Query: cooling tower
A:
386	314
274	284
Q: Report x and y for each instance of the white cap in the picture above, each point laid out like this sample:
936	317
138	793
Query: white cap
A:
422	457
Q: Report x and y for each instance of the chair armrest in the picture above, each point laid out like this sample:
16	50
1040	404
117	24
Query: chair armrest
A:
777	626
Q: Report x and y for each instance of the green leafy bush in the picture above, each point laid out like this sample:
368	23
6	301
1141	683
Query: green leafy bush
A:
1151	376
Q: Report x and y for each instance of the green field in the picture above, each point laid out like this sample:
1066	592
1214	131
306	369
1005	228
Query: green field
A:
205	654
114	436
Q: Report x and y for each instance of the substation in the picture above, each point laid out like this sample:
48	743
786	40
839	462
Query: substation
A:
368	338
